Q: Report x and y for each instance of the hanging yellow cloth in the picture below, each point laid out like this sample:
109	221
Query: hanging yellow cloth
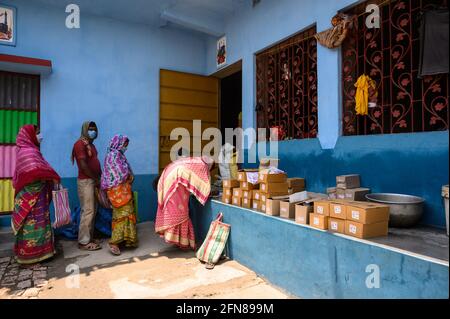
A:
362	96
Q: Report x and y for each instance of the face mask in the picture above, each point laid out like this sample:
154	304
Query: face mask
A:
39	138
92	135
124	149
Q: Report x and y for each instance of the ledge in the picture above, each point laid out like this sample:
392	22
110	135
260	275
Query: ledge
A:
371	242
311	263
20	64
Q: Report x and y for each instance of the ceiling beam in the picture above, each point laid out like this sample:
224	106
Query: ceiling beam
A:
197	20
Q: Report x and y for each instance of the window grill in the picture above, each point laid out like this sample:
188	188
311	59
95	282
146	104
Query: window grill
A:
286	77
390	55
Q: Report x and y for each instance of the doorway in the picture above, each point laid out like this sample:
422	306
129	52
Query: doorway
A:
230	98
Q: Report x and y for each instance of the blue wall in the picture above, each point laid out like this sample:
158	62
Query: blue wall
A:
415	164
106	71
253	29
314	264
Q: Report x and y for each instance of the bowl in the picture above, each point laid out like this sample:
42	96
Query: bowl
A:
405	210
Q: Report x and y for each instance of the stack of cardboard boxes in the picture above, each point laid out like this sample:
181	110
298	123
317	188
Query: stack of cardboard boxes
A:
358	219
229	186
271	185
239	192
348	187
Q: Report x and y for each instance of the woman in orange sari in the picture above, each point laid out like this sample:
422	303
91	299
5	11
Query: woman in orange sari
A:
178	181
117	178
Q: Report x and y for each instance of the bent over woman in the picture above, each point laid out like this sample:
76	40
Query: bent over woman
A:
180	179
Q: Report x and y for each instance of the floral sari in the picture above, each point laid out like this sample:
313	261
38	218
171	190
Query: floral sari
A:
31	217
116	181
31	224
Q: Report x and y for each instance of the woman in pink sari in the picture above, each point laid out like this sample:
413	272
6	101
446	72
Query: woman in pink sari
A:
178	181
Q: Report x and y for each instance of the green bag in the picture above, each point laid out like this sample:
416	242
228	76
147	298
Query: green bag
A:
215	242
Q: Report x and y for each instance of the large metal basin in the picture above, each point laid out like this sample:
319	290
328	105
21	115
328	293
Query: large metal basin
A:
405	210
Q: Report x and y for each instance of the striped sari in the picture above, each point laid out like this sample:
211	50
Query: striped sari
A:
180	179
31	224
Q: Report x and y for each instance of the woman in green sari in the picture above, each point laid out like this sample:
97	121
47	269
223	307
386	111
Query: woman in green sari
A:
33	183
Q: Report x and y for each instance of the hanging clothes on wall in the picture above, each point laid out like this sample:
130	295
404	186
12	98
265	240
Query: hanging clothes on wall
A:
333	37
434	38
366	93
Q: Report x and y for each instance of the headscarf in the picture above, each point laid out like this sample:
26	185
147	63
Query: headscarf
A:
116	167
84	137
30	164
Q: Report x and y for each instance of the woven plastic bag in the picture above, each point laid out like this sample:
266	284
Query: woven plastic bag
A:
62	208
215	242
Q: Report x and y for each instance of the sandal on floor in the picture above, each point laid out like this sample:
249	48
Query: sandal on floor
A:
210	266
90	247
114	250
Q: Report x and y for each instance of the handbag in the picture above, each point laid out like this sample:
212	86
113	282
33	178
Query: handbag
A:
102	198
215	242
60	198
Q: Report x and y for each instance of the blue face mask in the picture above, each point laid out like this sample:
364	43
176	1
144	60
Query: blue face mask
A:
92	134
124	149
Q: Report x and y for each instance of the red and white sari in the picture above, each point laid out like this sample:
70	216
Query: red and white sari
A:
180	179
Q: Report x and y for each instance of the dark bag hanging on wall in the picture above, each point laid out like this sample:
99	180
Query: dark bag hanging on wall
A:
434	37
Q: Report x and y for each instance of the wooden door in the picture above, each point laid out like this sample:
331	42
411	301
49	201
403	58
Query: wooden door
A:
184	98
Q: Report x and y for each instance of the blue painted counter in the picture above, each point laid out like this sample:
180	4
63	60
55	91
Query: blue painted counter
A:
415	164
313	264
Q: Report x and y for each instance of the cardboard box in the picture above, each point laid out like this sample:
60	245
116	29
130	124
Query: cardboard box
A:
302	213
296	183
357	194
348	181
262	207
287	210
367	213
338	210
265	163
237	201
266	196
242	174
247	186
272	178
336	225
318	221
256	195
247	202
230	183
273	207
272	188
322	208
228	192
367	231
226	199
340	193
247	194
256	205
332	192
237	192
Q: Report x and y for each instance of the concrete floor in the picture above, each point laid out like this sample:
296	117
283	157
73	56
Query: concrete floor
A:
154	270
430	242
